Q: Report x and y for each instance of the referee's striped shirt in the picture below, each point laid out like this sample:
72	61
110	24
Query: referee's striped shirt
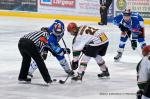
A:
35	37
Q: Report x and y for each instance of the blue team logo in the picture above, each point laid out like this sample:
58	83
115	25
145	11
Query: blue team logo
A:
121	4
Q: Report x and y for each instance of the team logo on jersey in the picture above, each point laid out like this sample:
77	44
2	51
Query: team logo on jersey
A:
121	4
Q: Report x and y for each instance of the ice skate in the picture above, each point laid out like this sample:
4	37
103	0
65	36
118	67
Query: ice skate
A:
25	81
70	72
104	74
118	57
49	83
30	75
77	78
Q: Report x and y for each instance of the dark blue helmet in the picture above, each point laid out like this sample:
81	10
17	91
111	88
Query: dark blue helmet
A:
57	28
127	12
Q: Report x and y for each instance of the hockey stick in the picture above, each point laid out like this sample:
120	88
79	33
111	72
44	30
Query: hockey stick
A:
61	81
67	54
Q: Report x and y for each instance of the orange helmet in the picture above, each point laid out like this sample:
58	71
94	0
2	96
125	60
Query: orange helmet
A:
146	50
72	27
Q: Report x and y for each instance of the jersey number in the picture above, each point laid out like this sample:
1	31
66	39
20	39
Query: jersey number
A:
89	30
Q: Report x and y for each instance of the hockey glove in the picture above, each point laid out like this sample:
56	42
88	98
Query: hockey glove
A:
44	29
139	94
142	34
85	49
133	44
74	65
44	54
66	50
123	28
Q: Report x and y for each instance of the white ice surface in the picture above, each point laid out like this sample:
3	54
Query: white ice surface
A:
121	85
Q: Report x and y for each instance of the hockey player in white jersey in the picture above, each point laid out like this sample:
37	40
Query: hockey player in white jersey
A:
143	75
92	43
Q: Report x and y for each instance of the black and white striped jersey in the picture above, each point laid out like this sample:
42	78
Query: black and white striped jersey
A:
35	37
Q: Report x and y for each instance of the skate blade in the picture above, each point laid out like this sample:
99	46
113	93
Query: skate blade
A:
116	60
76	82
28	76
41	84
105	77
24	82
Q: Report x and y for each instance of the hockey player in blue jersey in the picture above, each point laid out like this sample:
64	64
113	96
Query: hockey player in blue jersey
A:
56	31
132	27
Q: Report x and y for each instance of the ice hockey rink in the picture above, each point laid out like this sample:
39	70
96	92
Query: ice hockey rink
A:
121	85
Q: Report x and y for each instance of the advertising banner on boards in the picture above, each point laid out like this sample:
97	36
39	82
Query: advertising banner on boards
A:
141	6
59	3
73	7
19	5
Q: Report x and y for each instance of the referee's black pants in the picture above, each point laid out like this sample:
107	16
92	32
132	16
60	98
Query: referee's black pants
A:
28	49
103	14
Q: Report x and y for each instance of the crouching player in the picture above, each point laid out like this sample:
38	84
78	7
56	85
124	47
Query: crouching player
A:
92	43
56	31
143	75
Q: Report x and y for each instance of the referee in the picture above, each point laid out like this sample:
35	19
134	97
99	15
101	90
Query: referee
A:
30	46
104	6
